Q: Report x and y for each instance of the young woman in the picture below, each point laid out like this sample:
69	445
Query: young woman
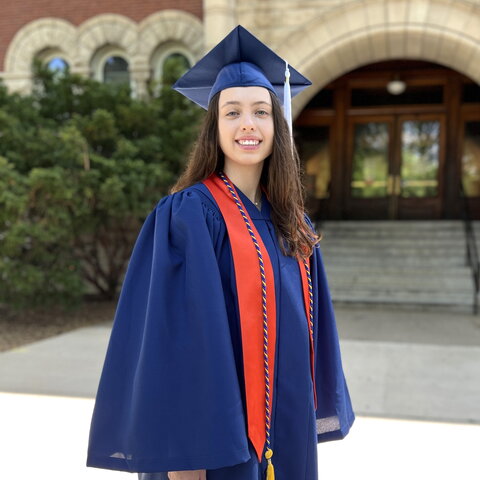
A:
224	360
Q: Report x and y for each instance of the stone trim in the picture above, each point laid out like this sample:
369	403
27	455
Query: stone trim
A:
101	32
42	34
82	46
358	32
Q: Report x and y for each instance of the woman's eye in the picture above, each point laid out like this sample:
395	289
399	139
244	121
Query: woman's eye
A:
232	114
262	113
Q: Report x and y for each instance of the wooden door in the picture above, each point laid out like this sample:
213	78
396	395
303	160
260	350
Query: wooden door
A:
418	167
395	167
367	174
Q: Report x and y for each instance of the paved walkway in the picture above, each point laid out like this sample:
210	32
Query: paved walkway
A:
402	368
419	365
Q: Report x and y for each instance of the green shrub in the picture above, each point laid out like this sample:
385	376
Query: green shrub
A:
81	165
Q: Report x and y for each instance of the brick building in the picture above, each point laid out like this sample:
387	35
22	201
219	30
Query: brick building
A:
391	126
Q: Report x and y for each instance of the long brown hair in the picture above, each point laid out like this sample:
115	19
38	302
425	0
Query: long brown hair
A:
281	178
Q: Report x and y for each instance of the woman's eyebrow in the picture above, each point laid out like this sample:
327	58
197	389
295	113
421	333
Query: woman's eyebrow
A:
235	102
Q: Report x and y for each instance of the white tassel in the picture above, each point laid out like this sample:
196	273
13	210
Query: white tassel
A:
287	99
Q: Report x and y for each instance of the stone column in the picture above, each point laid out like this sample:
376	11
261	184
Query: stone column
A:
139	76
219	18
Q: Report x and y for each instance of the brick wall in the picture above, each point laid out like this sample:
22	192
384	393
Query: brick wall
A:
16	14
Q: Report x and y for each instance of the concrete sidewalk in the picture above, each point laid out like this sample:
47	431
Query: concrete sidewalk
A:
44	437
407	364
399	365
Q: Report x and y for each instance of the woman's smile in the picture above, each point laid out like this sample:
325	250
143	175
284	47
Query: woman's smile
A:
249	143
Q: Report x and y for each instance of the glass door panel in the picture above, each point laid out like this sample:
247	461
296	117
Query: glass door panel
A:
420	158
396	166
316	155
370	160
471	159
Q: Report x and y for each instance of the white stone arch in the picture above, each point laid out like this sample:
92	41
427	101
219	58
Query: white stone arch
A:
366	31
162	52
101	31
169	27
35	37
97	62
48	54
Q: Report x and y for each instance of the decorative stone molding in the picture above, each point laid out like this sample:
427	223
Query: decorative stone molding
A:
322	41
103	31
163	52
220	18
97	62
365	31
84	47
167	32
170	27
36	37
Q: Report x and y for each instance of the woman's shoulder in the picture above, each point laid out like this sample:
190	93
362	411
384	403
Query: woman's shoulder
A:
190	201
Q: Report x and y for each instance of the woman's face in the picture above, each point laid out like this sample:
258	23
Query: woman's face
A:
245	125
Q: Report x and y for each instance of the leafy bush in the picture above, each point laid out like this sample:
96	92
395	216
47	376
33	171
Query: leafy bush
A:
81	165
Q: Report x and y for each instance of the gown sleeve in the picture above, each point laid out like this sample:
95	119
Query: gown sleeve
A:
334	414
169	396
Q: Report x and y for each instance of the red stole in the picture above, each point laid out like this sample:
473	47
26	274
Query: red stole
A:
249	291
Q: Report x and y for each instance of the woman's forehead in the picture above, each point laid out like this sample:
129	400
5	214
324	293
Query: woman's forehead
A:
244	95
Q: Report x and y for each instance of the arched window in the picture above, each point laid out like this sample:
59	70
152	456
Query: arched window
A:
57	64
115	70
174	66
110	65
54	59
169	62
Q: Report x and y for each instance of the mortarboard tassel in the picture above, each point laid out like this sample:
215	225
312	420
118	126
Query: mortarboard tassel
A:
270	470
287	99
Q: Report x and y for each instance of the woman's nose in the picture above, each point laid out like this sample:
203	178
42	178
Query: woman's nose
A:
248	124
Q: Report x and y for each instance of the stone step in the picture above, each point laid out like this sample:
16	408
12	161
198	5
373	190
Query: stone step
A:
395	297
393	227
406	306
405	284
388	234
419	251
386	230
353	260
339	269
401	263
396	224
430	241
342	270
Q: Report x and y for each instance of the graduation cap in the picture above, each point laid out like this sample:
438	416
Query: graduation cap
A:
241	60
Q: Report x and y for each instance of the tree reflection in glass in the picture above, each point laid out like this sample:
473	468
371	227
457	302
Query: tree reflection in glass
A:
420	158
370	160
471	159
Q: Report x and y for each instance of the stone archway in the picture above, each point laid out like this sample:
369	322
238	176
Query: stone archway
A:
367	31
101	30
162	30
42	34
169	26
78	45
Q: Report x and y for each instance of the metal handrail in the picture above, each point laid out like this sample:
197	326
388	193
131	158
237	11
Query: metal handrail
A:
471	251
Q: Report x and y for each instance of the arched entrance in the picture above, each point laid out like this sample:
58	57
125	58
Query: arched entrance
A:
371	150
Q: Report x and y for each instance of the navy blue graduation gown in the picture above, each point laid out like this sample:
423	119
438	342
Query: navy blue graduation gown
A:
171	395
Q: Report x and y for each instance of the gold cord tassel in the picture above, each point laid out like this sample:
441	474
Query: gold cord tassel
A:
270	470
